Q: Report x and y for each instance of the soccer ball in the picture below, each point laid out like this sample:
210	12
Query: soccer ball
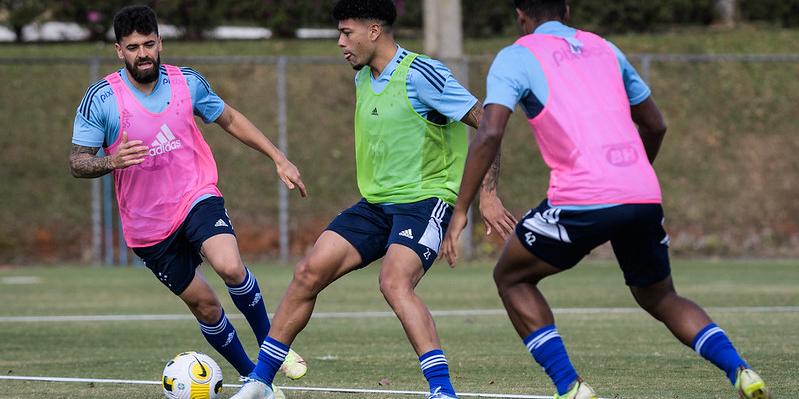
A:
192	375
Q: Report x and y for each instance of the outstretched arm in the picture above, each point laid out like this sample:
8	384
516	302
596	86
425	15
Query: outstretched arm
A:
483	151
235	123
84	162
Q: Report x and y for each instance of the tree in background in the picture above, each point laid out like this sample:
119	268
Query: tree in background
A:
21	13
725	12
193	17
95	15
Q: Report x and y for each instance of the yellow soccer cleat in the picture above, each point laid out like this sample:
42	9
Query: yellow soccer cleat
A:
579	390
750	386
293	366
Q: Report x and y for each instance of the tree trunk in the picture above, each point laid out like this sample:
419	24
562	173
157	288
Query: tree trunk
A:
725	12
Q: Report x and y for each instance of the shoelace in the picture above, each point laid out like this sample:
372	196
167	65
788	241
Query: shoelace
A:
435	393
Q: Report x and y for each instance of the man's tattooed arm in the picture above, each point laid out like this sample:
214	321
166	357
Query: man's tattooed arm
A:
84	162
472	118
489	185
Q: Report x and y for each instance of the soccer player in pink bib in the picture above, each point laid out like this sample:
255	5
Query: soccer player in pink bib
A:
172	212
583	100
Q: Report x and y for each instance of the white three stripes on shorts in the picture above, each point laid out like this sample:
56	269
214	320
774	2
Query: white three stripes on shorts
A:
434	233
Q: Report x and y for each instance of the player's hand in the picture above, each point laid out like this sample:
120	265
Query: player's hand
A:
128	153
495	216
449	248
290	176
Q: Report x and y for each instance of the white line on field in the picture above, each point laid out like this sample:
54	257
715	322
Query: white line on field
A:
367	315
310	389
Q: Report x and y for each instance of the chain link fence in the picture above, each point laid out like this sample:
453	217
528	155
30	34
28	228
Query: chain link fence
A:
728	166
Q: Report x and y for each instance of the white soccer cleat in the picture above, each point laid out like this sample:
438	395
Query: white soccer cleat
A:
254	389
437	394
293	366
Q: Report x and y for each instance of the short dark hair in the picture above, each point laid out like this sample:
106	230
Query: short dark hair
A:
137	18
542	9
380	10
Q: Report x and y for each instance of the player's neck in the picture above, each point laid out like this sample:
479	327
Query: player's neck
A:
145	88
532	25
383	55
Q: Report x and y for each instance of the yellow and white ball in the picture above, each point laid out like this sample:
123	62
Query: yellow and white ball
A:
192	375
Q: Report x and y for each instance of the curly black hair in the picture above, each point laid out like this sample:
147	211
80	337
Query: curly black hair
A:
136	18
380	10
542	9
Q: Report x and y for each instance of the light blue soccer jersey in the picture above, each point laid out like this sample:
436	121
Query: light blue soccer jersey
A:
516	76
432	90
97	120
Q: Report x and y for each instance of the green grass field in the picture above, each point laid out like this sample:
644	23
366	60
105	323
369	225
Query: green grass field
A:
623	354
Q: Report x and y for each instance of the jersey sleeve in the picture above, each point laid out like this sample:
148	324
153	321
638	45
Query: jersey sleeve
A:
438	89
207	105
90	125
517	77
637	89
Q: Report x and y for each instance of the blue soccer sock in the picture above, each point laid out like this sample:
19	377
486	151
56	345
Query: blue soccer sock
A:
248	299
222	336
713	344
547	349
436	370
270	357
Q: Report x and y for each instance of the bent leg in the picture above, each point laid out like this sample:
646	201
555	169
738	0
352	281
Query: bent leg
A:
214	325
516	275
681	316
401	271
331	257
690	324
222	252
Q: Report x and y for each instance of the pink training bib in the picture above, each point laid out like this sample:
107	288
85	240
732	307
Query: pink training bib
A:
155	196
585	131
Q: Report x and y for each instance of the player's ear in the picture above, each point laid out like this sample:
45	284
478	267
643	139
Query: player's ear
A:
118	48
521	18
375	30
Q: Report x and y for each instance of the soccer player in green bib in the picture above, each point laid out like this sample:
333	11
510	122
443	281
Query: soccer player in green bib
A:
410	147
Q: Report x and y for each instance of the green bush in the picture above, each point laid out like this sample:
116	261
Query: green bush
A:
782	12
621	16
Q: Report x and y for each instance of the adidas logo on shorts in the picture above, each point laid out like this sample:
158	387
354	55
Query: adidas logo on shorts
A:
407	233
221	223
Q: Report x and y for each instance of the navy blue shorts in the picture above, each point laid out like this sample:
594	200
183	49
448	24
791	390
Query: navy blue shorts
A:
372	228
174	259
562	238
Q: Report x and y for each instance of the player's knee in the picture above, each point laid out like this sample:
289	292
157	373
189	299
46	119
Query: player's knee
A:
207	311
502	278
233	273
393	287
306	278
654	302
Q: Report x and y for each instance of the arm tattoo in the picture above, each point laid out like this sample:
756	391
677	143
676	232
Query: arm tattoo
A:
84	162
474	115
491	178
